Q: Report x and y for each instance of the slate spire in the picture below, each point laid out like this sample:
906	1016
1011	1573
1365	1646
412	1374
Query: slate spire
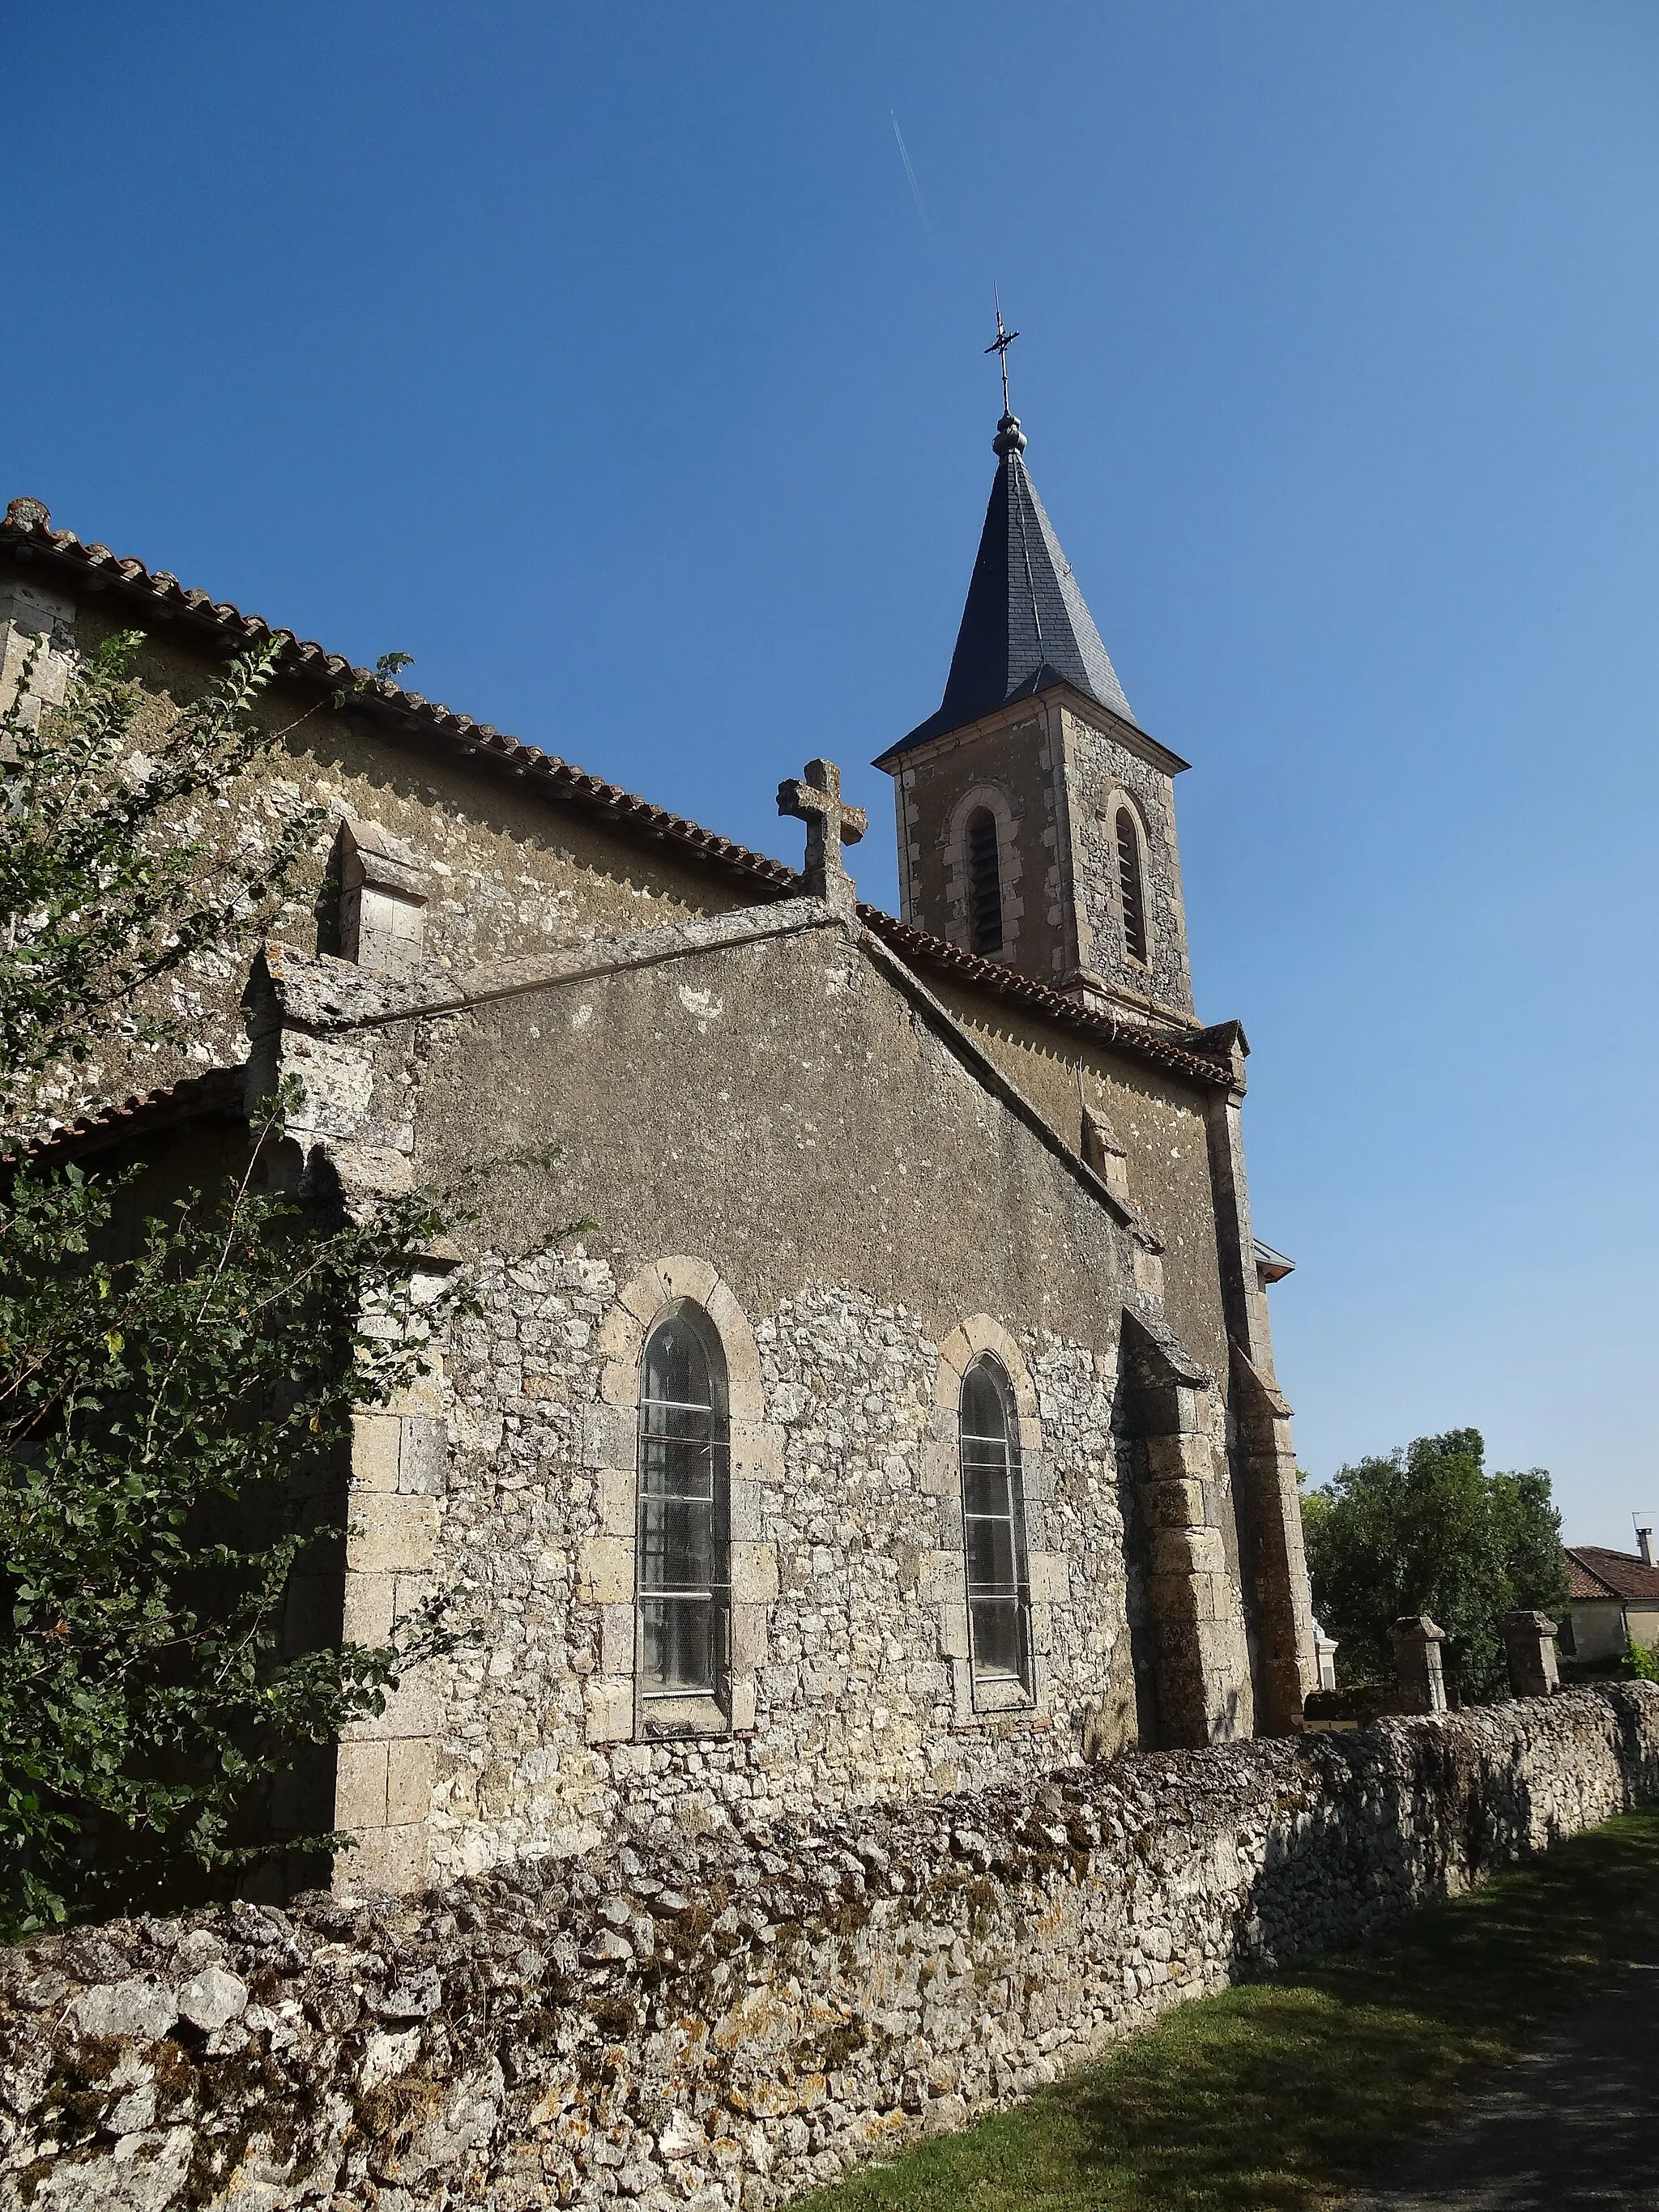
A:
1026	626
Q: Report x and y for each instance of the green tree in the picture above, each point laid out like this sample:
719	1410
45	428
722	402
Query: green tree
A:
109	883
1428	1530
175	1393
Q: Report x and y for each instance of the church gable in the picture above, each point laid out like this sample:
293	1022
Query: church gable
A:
520	851
770	1079
927	1490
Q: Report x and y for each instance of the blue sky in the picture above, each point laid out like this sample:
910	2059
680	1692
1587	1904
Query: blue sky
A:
600	357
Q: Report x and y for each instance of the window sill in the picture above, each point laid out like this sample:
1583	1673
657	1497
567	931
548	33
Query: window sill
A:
996	1695
661	1720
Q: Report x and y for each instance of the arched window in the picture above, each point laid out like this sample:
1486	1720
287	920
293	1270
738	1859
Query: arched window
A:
984	883
1130	887
993	1517
682	1574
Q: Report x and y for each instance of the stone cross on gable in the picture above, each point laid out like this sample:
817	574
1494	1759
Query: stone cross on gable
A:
830	823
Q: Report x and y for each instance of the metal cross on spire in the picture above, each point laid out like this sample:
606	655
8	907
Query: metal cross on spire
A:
999	344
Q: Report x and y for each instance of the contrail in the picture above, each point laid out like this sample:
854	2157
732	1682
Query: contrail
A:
915	189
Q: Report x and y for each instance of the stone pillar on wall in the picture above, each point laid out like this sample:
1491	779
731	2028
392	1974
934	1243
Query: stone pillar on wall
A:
1277	1598
351	1130
1529	1648
1417	1644
384	1764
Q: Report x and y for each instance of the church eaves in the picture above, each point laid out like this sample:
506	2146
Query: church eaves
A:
154	595
1026	626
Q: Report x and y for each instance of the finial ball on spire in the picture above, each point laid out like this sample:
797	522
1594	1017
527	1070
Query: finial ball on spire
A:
1010	438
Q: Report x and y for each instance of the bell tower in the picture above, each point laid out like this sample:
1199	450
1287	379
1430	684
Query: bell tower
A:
1035	816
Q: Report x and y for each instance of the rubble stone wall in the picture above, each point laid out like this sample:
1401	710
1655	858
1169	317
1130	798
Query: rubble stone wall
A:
725	2020
853	1672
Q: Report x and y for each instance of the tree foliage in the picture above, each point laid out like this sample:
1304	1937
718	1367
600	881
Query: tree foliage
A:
172	1427
1426	1529
175	1392
109	877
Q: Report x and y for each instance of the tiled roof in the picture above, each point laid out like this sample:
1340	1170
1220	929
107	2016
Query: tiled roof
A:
159	595
1026	626
1605	1574
26	531
921	948
1582	1583
216	1090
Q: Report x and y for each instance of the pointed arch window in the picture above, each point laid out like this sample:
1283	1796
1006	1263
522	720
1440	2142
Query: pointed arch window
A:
984	883
993	1521
682	1563
1131	884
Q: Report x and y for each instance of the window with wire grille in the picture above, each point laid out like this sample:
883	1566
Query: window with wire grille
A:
1131	889
993	1518
984	883
683	1576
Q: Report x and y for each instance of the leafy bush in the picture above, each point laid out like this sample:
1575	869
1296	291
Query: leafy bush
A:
173	1425
175	1393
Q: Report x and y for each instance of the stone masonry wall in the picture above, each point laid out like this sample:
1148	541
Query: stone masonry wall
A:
512	871
1103	774
853	1693
725	2020
765	1128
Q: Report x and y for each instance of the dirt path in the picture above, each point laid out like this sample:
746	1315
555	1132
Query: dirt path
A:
1574	2124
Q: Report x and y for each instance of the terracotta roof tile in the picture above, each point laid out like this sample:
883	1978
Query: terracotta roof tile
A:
1582	1583
920	946
216	1090
1620	1574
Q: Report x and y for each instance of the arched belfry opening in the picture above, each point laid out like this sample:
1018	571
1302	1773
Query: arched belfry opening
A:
1131	884
1187	1641
984	883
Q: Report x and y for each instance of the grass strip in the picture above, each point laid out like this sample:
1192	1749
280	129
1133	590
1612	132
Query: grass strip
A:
1287	2092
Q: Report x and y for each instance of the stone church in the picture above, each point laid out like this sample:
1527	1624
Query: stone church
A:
904	1414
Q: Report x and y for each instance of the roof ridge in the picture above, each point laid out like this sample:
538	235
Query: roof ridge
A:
1642	1580
1008	982
305	657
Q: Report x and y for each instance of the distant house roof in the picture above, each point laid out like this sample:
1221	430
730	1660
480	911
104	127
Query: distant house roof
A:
1595	1572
